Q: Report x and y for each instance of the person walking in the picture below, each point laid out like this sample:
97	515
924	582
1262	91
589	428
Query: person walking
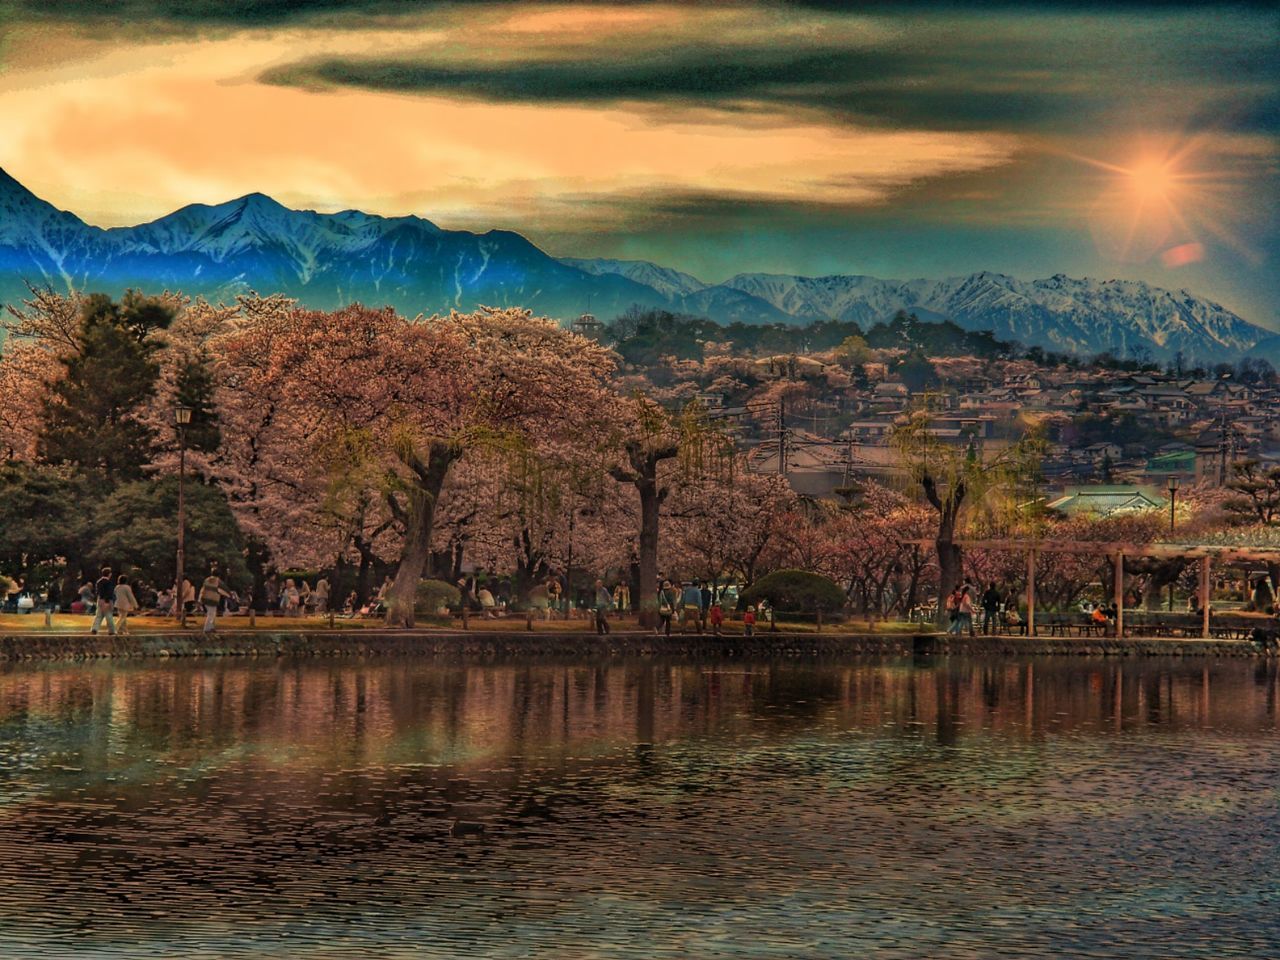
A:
211	594
622	598
716	617
553	596
952	607
291	599
691	599
552	588
668	601
85	594
991	610
707	597
966	610
321	594
604	600
126	603
104	595
53	597
749	621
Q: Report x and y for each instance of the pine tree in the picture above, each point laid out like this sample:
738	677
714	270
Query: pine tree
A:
92	416
195	389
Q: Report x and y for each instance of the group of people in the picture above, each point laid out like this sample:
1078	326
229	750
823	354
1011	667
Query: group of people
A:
696	606
109	597
295	597
999	610
113	599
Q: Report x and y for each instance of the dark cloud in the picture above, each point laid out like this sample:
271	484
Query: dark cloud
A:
231	12
248	13
1058	77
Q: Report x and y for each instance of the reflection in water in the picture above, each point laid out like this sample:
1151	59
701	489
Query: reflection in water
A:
414	809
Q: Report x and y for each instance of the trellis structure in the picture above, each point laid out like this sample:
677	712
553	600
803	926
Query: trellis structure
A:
1117	551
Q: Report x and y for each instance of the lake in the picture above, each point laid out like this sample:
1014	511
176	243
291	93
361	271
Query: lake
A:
404	808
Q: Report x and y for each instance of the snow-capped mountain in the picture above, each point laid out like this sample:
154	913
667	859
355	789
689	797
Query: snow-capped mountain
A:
326	260
668	282
1079	316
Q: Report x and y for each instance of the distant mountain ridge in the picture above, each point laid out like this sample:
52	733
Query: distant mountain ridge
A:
327	260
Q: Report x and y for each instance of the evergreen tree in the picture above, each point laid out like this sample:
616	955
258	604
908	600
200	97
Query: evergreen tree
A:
42	516
195	389
91	418
135	529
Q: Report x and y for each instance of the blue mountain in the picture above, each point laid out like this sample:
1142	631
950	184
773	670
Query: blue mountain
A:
327	260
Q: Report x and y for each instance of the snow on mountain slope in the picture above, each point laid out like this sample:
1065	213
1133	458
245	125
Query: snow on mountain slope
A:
1080	316
668	282
326	260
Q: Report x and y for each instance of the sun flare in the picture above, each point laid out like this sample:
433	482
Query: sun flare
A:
1164	202
1152	178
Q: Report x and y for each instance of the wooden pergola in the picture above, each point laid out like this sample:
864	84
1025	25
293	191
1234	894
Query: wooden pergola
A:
1117	551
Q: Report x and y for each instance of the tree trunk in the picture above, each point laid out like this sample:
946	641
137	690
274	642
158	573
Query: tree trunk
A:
643	475
633	579
913	588
647	601
364	576
950	556
950	560
428	480
338	588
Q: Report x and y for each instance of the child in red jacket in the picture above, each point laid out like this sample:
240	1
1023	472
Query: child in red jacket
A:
749	621
716	616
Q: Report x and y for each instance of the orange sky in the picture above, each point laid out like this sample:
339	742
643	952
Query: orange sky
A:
123	130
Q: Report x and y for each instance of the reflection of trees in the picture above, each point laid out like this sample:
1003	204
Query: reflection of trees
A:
254	790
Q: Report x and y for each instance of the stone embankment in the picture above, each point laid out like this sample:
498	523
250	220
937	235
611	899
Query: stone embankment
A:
584	646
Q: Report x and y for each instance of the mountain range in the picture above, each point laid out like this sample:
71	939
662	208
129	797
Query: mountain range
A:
327	260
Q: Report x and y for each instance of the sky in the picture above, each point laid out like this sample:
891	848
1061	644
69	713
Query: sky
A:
896	139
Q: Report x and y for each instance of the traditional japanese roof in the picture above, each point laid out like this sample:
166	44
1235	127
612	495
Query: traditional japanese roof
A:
1104	500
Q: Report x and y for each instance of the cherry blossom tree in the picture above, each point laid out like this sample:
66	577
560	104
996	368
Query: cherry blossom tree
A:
423	394
728	527
657	448
870	550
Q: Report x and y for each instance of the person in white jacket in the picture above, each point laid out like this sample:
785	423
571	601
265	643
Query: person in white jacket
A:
126	603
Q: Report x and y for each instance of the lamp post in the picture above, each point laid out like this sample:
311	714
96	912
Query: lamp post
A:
1173	484
568	566
182	419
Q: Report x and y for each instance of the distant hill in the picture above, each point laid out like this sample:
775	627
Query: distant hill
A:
327	260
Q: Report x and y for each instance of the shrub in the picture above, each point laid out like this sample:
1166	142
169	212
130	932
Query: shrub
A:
796	591
434	594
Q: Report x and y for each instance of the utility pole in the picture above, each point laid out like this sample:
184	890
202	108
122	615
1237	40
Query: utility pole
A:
782	437
182	419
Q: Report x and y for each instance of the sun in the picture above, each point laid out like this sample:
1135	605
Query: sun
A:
1152	178
1163	200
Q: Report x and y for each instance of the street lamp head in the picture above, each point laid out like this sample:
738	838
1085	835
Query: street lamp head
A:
1174	483
182	415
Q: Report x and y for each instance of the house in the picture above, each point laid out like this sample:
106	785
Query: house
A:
1097	452
891	389
1171	463
1104	500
